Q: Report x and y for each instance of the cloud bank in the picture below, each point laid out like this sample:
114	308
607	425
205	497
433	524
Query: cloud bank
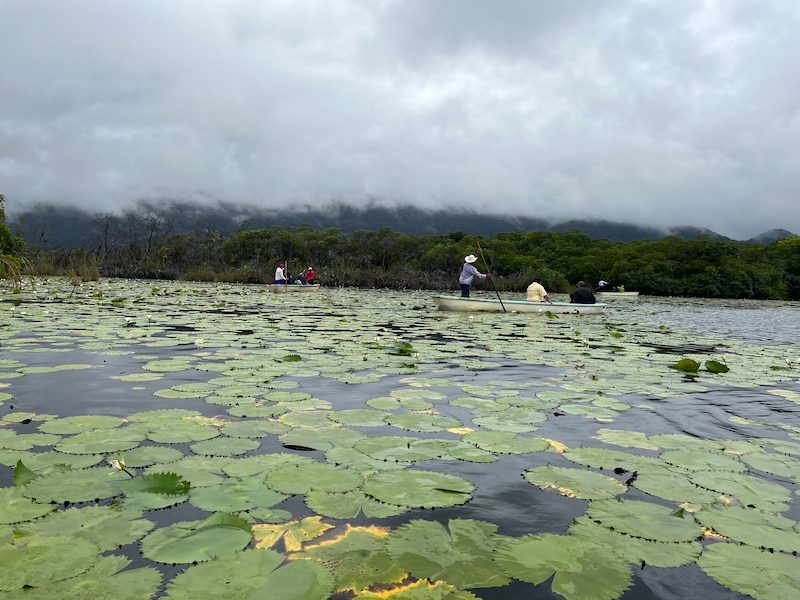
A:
654	113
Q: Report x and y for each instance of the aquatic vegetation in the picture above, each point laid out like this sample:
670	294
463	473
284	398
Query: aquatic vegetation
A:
314	459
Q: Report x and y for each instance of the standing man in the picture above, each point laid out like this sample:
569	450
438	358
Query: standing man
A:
468	275
537	293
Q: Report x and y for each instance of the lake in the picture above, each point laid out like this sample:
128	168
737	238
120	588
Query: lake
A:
652	452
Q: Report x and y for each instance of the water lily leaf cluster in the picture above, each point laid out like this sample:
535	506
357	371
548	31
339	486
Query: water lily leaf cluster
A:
322	445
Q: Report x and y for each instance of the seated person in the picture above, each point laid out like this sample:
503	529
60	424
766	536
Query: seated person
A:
537	293
582	295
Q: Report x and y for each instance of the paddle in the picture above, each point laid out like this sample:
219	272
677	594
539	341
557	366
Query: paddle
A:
480	250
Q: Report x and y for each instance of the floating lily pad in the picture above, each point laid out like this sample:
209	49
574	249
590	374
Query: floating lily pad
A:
37	561
108	528
460	553
644	520
412	488
197	541
259	573
235	495
752	571
580	570
575	483
302	478
293	534
17	508
358	557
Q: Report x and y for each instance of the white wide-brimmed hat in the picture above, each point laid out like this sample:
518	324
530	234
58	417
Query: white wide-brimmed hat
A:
470	258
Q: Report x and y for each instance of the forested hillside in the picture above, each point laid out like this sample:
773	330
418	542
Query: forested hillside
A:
701	267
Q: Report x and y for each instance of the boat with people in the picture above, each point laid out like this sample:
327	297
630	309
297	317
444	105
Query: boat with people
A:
292	287
461	304
610	295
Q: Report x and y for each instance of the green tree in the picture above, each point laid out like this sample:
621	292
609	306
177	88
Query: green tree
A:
11	249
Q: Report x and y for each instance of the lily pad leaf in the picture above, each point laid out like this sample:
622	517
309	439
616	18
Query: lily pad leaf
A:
22	474
258	574
636	550
304	477
15	507
107	527
293	533
105	579
420	590
575	483
686	365
36	561
427	489
713	366
751	571
644	520
197	541
235	495
358	557
460	553
752	527
157	483
84	485
583	571
348	505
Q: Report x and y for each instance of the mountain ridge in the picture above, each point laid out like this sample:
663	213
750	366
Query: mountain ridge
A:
51	227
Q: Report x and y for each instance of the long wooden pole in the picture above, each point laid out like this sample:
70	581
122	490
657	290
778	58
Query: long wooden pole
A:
488	273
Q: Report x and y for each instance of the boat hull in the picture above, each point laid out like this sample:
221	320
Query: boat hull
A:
614	295
459	304
291	287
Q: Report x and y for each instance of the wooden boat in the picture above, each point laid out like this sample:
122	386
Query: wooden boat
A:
459	304
292	287
614	295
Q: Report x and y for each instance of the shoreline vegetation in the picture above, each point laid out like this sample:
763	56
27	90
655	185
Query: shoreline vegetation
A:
146	249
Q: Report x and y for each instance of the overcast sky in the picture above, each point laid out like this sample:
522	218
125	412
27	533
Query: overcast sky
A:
662	112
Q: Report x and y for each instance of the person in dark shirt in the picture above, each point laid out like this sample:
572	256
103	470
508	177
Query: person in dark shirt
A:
582	295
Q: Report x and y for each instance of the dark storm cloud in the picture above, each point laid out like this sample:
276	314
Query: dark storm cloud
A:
665	113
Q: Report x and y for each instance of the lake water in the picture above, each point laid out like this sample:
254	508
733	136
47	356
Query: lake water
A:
348	345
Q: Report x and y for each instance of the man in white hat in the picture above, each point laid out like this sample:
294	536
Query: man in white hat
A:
468	274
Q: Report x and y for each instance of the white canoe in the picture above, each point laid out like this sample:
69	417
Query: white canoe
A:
457	303
613	295
292	287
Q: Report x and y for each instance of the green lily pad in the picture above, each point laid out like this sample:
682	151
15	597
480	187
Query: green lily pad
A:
575	483
259	573
751	571
412	488
36	561
107	527
17	508
197	541
302	478
234	495
104	579
580	570
644	520
460	553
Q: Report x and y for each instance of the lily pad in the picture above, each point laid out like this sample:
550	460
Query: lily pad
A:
259	573
197	541
412	488
460	553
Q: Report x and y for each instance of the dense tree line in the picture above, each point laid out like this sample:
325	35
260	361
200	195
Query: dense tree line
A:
145	246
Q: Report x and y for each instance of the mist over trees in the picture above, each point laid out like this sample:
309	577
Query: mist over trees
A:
197	245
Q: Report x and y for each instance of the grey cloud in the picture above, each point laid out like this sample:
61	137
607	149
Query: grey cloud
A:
668	113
